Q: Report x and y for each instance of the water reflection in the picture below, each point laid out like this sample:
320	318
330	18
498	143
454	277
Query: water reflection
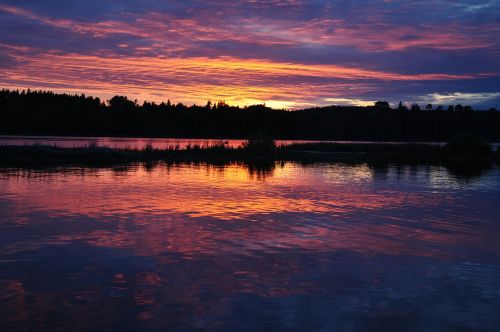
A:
469	172
269	246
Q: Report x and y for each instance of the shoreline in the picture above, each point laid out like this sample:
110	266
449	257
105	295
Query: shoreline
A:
220	138
27	155
190	138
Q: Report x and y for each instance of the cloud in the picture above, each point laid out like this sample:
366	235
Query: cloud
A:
478	98
350	102
377	35
331	51
196	79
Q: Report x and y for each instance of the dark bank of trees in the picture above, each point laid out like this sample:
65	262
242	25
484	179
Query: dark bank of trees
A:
47	113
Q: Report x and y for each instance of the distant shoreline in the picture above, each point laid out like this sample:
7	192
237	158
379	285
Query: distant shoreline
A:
48	113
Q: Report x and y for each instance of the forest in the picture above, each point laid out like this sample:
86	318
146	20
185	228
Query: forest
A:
48	113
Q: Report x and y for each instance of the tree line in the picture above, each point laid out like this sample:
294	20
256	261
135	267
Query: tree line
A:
48	113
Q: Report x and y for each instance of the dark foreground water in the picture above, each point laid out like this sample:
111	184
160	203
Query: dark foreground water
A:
324	247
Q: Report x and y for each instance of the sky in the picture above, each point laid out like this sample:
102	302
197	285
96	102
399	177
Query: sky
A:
284	53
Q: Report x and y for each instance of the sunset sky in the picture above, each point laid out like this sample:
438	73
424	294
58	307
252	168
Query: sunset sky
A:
286	53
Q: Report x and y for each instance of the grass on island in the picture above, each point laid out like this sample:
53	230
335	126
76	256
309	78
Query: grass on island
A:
459	148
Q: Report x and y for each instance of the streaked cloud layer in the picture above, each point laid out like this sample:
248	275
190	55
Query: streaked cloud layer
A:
287	53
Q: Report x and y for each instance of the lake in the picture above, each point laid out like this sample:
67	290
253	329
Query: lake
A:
239	247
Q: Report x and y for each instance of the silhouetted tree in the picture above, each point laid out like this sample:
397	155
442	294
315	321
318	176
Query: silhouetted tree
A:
121	103
415	107
402	107
180	107
382	105
40	112
222	106
428	107
260	107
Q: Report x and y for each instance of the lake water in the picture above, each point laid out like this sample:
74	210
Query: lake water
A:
236	247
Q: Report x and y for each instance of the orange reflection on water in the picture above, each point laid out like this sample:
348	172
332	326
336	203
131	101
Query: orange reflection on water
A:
226	192
206	209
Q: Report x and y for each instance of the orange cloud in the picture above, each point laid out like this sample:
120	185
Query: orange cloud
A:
195	80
